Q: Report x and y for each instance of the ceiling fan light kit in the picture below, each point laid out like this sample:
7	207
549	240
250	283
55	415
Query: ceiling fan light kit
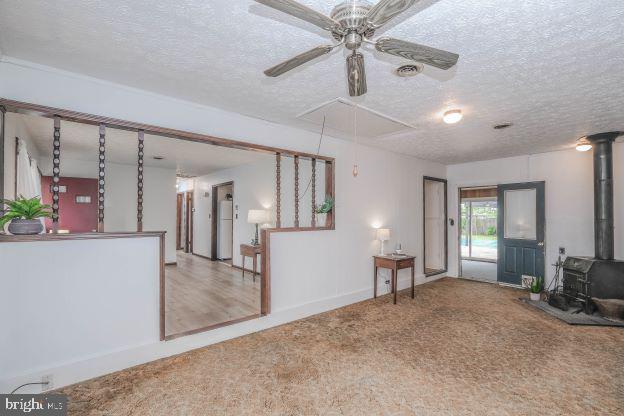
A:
352	23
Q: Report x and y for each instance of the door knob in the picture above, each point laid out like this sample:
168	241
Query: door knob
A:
540	244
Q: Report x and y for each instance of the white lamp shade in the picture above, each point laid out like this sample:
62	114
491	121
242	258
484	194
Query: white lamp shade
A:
258	216
383	234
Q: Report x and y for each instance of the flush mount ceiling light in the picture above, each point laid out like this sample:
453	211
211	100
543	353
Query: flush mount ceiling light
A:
353	23
583	145
452	116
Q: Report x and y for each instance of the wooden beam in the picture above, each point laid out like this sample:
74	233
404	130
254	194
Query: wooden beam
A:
68	115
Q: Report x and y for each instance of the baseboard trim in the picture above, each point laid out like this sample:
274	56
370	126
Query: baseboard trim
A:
78	371
202	256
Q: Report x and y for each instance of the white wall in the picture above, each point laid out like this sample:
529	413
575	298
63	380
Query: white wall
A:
159	202
254	188
311	272
569	198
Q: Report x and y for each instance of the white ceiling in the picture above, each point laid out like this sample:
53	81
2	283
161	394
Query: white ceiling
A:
554	68
81	142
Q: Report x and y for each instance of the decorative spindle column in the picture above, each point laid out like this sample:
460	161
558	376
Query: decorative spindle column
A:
56	172
296	158
313	192
278	190
101	178
141	138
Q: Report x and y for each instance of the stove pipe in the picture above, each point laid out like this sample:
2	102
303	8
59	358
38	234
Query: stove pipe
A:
603	194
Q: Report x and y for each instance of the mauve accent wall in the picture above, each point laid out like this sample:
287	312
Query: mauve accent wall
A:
77	218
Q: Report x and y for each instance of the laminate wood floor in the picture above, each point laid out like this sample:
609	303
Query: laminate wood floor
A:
200	293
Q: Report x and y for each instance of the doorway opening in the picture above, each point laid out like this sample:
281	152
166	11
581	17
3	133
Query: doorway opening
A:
223	222
478	213
184	222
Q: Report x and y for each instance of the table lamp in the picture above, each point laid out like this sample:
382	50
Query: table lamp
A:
383	234
257	216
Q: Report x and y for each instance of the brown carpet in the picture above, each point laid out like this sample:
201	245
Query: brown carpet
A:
459	348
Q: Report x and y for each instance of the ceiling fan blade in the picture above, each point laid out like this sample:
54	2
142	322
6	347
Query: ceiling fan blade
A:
419	53
302	12
356	74
385	10
301	59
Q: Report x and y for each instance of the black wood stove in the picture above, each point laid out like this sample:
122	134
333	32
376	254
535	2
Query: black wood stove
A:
589	280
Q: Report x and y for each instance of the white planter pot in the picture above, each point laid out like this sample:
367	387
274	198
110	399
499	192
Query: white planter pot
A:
536	296
321	220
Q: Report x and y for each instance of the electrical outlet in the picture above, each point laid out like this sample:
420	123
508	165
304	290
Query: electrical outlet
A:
49	380
562	250
387	282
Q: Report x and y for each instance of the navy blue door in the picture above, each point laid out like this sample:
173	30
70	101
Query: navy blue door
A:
521	215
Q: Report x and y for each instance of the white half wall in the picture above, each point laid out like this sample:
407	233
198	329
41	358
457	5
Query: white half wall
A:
569	198
68	301
311	272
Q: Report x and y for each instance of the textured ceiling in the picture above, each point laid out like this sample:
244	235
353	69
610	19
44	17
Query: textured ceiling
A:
80	142
554	68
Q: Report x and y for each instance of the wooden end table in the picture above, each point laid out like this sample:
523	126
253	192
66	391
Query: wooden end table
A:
248	250
394	263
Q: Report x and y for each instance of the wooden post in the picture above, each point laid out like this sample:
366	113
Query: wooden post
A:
141	138
296	191
101	178
278	191
56	172
313	192
330	190
2	121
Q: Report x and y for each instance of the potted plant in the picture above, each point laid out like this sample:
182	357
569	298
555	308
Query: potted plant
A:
322	210
536	288
23	215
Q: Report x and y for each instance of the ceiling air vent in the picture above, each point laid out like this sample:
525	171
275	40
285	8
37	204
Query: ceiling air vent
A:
502	126
409	70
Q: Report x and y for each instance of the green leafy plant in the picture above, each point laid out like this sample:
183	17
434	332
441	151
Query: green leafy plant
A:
327	205
491	231
24	209
537	284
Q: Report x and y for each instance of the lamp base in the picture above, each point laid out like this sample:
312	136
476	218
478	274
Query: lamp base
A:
256	240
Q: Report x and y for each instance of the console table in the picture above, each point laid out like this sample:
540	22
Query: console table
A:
394	263
248	250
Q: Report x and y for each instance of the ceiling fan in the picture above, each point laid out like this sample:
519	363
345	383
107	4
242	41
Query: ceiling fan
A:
352	23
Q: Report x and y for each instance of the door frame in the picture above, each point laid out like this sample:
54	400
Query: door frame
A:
540	187
213	223
460	272
424	250
188	247
179	197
